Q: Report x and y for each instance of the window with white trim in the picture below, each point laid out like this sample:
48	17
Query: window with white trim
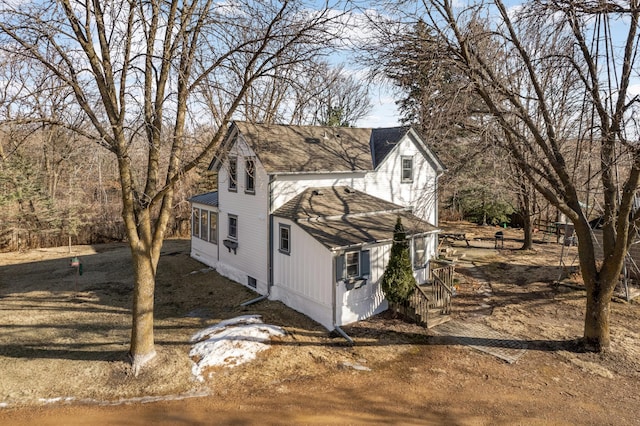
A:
285	238
195	222
249	175
204	225
407	168
233	173
233	227
353	266
213	227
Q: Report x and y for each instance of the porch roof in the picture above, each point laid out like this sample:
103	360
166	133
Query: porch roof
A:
208	199
341	217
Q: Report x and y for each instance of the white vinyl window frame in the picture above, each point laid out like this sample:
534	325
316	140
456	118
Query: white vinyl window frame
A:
284	236
352	264
250	175
213	227
232	229
406	169
233	174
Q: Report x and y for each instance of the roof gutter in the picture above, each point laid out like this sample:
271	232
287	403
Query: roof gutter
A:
386	240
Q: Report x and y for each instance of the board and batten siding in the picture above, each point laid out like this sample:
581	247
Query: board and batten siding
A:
250	258
420	193
368	300
303	278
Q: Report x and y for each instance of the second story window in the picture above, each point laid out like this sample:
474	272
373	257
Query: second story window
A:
407	169
250	172
233	174
233	227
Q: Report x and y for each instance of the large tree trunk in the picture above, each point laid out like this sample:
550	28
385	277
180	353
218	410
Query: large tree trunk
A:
599	284
596	322
142	341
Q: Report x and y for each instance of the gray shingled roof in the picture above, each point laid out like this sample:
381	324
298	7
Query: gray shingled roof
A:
208	199
384	140
342	217
285	149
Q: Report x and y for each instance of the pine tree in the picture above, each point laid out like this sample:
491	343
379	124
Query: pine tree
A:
398	282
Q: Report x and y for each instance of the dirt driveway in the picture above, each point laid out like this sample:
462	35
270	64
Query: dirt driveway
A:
64	339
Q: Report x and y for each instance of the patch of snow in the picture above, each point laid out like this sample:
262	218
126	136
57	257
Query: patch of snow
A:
4	404
231	342
210	331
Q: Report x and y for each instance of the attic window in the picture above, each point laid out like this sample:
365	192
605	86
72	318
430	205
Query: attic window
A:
407	169
250	171
312	140
349	190
317	192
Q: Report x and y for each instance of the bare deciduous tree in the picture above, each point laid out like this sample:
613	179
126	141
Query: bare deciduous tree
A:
136	70
560	82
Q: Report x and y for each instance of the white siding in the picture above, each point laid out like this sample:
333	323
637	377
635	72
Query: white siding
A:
303	279
285	187
386	181
250	258
361	303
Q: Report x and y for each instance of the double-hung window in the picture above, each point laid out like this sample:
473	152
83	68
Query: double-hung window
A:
213	225
233	227
204	225
285	239
353	266
195	222
249	172
233	173
352	260
407	169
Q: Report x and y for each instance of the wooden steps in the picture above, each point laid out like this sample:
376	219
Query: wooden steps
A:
437	318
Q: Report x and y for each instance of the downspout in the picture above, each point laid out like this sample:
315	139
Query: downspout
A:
272	178
334	286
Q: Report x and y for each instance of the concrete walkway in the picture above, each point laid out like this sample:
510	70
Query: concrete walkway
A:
470	331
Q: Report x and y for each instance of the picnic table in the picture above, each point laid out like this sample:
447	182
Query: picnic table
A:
454	236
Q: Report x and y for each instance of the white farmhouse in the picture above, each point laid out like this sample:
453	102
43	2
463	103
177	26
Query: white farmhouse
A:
305	214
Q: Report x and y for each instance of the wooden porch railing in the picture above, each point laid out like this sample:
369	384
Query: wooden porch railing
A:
438	296
441	287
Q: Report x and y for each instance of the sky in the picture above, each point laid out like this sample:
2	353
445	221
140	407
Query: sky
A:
384	112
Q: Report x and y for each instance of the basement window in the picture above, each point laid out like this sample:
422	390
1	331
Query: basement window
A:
252	282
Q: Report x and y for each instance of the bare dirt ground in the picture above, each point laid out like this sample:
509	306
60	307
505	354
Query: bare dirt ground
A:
64	341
